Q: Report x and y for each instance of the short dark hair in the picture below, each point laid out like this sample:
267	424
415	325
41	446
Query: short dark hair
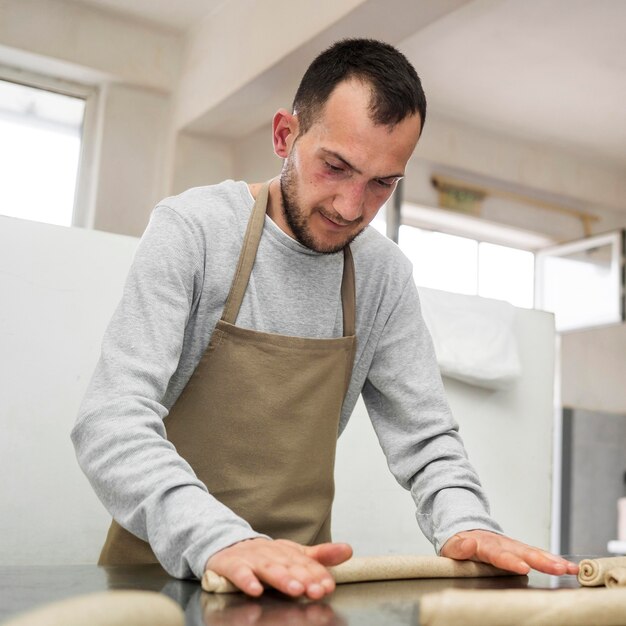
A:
396	88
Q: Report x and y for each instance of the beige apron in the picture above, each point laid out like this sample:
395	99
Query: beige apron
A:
258	419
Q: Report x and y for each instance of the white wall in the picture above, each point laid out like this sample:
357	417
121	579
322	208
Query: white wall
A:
254	156
85	42
531	169
593	370
59	288
201	161
527	163
509	438
131	173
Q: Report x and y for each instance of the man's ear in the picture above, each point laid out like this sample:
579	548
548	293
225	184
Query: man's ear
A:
284	132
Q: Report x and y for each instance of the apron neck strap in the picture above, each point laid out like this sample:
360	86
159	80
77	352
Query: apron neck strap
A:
248	256
348	294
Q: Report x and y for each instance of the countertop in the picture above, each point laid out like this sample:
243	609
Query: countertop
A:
393	603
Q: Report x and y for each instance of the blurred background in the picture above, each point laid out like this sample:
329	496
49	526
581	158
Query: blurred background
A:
516	191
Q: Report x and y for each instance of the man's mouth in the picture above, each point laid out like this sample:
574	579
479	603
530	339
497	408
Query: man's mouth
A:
335	221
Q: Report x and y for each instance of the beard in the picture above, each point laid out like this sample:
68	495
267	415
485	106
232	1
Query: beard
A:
298	221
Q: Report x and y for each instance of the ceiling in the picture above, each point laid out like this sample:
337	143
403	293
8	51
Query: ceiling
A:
171	15
546	70
549	70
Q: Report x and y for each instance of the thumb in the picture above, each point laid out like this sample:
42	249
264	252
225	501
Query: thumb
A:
460	548
329	554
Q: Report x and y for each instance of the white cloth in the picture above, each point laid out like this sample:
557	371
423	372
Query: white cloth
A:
473	338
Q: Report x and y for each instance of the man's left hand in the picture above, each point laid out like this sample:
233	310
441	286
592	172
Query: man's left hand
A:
505	553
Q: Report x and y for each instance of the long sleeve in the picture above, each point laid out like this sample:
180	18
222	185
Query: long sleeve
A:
119	435
406	401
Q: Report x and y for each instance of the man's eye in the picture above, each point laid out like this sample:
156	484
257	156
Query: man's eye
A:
333	168
384	183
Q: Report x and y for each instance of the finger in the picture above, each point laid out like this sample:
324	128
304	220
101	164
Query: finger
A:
310	576
504	553
283	564
315	577
535	558
304	565
508	561
486	548
281	578
460	548
242	576
549	563
311	579
329	554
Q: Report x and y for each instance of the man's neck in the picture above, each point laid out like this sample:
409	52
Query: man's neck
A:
274	203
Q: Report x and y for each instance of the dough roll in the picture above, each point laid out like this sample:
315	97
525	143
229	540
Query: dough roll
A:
615	577
109	608
524	607
592	572
395	567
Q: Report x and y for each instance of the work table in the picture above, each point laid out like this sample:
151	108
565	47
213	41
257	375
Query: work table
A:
393	603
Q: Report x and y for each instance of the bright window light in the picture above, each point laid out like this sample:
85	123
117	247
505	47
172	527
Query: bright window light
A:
464	265
441	261
581	282
506	274
379	222
40	141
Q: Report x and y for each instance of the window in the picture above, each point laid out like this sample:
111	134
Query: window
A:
582	282
464	265
40	148
506	273
441	261
467	255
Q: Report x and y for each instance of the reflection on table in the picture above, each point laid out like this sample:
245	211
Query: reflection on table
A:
393	603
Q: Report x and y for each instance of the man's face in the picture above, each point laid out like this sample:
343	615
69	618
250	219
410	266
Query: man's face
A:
342	170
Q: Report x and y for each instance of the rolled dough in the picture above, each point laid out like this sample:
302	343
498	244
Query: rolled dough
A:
592	572
371	568
615	577
109	608
559	607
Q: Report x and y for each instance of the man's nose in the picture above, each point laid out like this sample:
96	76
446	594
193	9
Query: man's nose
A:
350	200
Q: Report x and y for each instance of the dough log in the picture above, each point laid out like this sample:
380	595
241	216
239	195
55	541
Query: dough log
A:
524	607
109	608
372	568
615	577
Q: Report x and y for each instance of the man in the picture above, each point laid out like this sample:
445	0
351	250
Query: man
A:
252	337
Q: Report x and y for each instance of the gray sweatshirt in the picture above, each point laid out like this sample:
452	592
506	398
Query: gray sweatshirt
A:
174	295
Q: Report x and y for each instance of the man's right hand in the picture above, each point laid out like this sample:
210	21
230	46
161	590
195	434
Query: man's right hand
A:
294	569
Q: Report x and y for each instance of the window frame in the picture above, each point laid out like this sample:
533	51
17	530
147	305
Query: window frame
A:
451	223
616	239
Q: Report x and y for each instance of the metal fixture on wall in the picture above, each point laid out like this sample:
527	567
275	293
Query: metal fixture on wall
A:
461	199
467	198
